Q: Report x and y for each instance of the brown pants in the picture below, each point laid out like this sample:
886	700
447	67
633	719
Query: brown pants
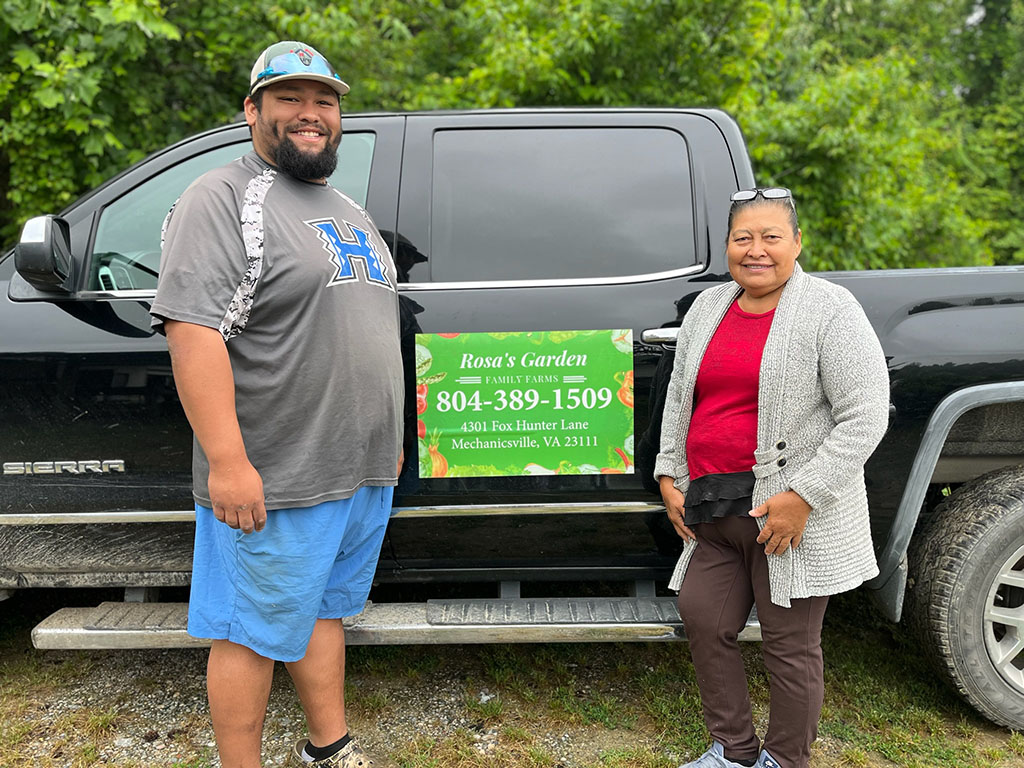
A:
726	576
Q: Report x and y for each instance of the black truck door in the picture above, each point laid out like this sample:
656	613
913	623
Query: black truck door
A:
529	234
89	416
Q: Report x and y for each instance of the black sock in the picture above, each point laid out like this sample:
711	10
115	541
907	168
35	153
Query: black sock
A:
319	753
746	762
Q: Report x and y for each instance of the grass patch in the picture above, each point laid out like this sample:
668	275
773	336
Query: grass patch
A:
854	757
672	702
502	664
634	757
1016	743
374	703
28	678
590	708
393	660
486	709
365	697
882	698
462	750
99	723
884	706
89	754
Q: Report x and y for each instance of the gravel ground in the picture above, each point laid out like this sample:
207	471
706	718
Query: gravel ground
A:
152	711
148	708
536	706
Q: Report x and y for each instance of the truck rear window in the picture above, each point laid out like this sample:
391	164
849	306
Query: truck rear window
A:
550	203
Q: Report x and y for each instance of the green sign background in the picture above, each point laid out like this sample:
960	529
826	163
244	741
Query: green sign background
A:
529	403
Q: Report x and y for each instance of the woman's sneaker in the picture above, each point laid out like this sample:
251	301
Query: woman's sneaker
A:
765	760
713	758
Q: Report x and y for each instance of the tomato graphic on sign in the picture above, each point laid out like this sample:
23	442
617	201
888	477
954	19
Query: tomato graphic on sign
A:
625	393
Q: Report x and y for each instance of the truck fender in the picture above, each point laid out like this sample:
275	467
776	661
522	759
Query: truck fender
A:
891	581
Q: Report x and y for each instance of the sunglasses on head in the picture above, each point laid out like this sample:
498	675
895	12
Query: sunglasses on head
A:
768	193
290	64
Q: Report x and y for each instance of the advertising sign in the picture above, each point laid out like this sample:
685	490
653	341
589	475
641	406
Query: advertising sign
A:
528	403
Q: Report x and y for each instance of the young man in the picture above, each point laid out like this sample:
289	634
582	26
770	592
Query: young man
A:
277	296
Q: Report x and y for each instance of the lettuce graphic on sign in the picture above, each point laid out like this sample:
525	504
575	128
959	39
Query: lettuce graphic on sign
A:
525	403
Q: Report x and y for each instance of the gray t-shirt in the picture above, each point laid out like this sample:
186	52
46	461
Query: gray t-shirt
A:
301	286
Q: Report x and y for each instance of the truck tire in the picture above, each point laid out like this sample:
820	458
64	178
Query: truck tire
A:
965	597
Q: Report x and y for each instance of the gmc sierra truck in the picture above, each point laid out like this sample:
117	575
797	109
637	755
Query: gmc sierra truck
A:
545	258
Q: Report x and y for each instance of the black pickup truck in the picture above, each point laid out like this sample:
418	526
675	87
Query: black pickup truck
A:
546	259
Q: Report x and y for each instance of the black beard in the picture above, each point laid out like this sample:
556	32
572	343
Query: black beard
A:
303	165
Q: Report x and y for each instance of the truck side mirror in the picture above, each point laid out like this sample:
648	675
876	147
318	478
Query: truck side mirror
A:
43	255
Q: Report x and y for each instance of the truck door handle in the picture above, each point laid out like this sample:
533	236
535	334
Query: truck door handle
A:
659	335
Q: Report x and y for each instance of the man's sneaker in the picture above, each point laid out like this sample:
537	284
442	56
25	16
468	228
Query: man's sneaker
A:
713	758
349	756
764	760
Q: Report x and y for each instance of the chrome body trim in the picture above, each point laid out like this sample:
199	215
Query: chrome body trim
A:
584	508
568	282
137	294
188	515
694	269
117	516
147	294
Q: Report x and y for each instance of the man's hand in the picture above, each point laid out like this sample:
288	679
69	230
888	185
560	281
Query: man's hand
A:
236	492
787	517
206	387
674	500
401	461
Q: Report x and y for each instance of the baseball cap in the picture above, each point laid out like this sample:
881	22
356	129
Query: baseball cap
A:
292	60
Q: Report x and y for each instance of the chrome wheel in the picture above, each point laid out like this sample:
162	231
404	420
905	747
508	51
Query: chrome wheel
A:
1004	621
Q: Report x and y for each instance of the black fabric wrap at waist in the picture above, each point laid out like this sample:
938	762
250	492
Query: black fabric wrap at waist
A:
718	495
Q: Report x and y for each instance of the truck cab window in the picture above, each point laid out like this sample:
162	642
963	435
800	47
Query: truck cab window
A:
126	254
550	203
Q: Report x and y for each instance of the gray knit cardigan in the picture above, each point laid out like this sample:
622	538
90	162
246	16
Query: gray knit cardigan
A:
823	406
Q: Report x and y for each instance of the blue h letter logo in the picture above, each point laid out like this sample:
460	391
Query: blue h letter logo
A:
344	250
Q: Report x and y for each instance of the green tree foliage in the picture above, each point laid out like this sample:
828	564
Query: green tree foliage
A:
993	52
506	53
896	122
928	32
999	175
875	174
62	57
989	46
90	86
860	129
374	44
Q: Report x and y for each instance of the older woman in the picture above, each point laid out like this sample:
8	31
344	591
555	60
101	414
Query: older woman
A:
778	396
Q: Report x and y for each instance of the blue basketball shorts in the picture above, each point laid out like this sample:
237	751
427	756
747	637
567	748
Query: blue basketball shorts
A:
266	590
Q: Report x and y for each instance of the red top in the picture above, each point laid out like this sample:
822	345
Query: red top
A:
723	428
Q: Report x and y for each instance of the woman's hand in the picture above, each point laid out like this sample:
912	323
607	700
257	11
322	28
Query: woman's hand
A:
787	517
674	500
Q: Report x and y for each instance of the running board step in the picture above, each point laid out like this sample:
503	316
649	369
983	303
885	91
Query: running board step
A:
537	620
